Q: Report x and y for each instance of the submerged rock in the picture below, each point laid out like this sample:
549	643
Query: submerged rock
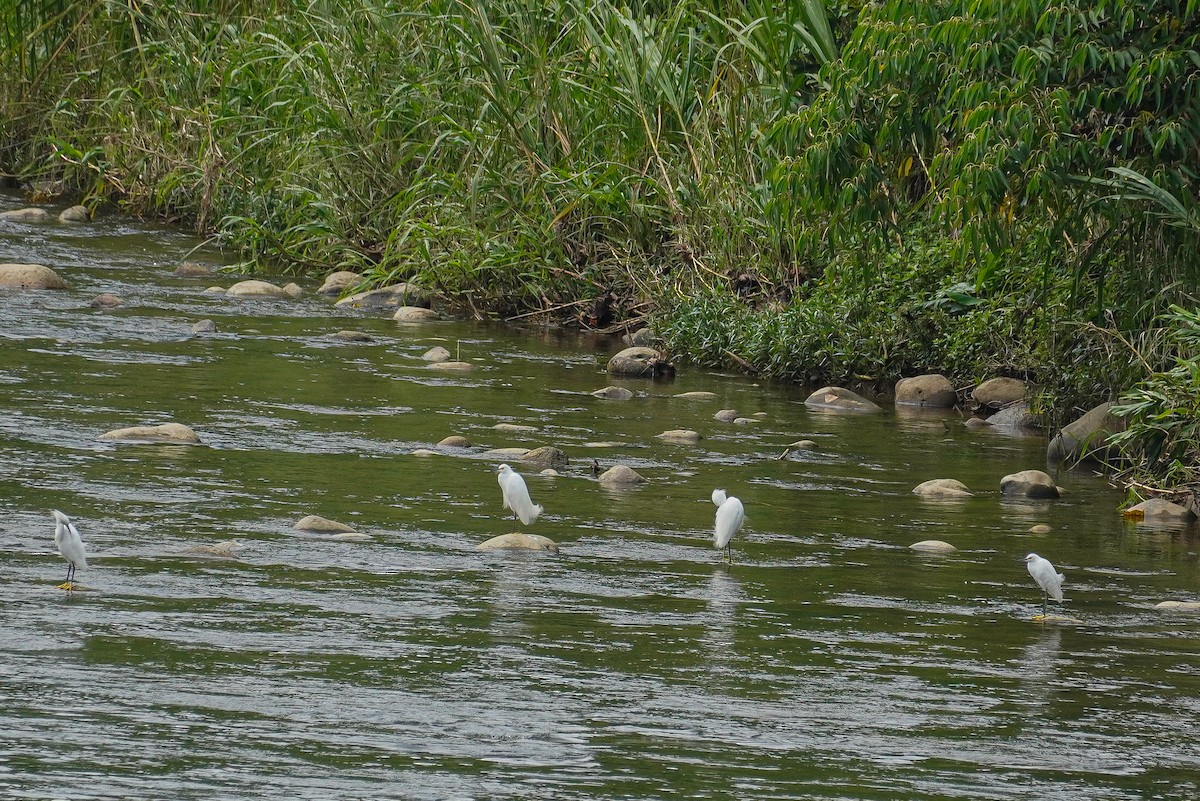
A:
353	336
220	550
75	214
190	269
1040	528
518	540
29	276
1179	606
613	393
293	290
461	367
168	433
933	390
1029	484
26	215
506	454
204	327
106	300
513	427
1015	417
726	415
684	436
387	297
455	441
321	524
697	395
841	399
943	488
436	354
933	546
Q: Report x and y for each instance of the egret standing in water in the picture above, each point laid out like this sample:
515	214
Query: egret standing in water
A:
730	517
1049	579
516	495
70	546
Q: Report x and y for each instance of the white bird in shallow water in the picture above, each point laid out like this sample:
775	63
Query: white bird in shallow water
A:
70	546
730	517
516	495
1049	579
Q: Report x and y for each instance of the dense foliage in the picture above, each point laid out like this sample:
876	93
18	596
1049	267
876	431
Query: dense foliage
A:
817	192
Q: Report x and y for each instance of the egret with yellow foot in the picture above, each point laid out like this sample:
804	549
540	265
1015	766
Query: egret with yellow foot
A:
70	547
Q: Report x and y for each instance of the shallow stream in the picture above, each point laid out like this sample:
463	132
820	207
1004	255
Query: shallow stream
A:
829	661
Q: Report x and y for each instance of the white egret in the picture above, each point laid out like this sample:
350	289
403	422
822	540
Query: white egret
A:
70	546
516	495
730	517
1049	579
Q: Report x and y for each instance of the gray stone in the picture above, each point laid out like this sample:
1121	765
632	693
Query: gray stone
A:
942	488
460	367
170	433
204	327
27	215
697	395
436	354
638	361
29	276
613	393
106	300
387	298
1179	606
1087	437
1015	417
546	456
683	436
841	399
190	269
293	290
215	290
1029	484
933	390
1160	510
257	289
933	546
726	415
338	282
75	214
513	428
455	441
518	540
998	392
643	337
506	454
353	336
322	524
415	314
621	475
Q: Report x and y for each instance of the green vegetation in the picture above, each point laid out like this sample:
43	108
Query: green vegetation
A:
815	192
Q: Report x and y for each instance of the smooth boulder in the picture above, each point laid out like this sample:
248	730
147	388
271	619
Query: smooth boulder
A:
338	282
842	400
933	391
613	393
546	456
353	336
257	289
683	436
996	393
168	433
1161	511
933	546
436	354
943	488
387	298
1029	484
1179	606
697	395
29	276
1087	437
26	215
106	300
415	314
75	214
321	524
204	327
454	441
1015	418
621	476
639	362
518	541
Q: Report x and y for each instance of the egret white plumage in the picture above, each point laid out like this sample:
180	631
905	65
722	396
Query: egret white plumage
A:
516	495
730	517
70	546
1049	579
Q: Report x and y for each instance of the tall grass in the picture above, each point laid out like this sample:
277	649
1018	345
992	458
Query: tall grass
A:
514	155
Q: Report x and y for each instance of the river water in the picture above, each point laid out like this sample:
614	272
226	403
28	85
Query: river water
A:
829	661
